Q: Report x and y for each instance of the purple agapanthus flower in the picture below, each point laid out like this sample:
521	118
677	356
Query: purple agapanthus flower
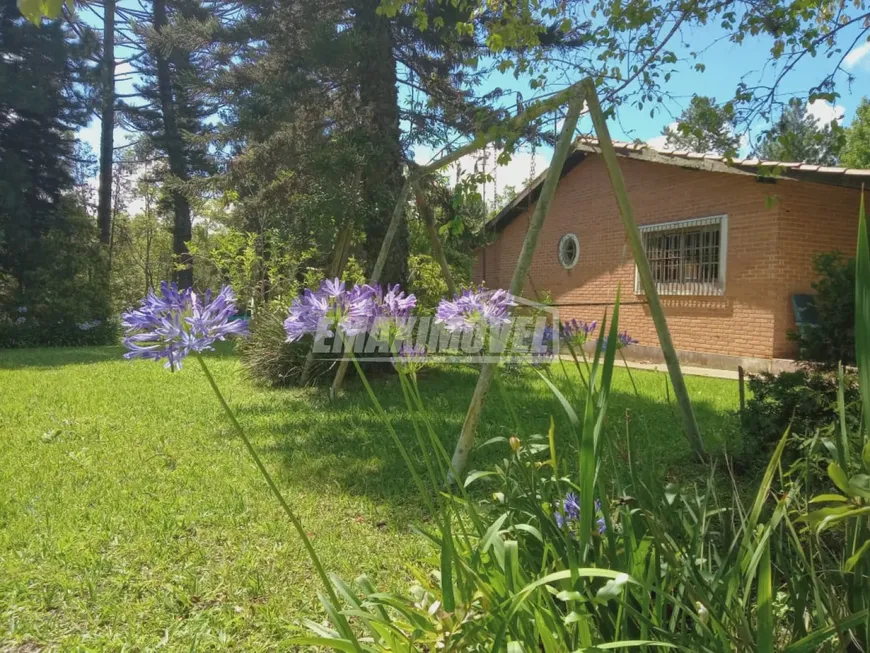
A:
321	311
577	331
22	309
470	310
622	340
384	314
333	308
20	320
567	514
176	322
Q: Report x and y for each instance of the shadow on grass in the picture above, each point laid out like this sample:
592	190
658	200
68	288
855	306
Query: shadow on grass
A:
345	444
44	357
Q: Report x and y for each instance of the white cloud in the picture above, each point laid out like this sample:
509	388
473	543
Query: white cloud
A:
825	112
658	142
857	55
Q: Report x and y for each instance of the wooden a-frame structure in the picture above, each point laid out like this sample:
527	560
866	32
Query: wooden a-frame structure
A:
575	96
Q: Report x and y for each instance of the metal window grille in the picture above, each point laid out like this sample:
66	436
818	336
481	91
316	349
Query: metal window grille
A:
686	257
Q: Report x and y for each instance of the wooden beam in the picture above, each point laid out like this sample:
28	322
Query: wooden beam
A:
626	212
427	215
530	243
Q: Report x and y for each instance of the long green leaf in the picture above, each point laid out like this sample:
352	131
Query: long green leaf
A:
337	644
765	602
447	598
629	643
811	642
862	312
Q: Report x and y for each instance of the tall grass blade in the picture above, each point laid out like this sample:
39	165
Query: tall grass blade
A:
448	600
765	602
812	642
862	312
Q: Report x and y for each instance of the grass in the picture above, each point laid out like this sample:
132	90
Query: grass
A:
131	517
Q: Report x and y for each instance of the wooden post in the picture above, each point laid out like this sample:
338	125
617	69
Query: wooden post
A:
533	111
336	269
487	372
428	217
392	228
690	423
741	379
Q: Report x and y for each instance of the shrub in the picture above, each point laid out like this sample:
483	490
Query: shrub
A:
266	355
64	302
18	329
804	400
832	340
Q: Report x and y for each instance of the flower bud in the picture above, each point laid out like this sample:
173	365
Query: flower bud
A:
515	443
703	614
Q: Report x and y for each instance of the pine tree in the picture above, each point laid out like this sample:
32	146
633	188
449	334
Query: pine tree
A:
107	126
173	116
41	102
337	79
798	136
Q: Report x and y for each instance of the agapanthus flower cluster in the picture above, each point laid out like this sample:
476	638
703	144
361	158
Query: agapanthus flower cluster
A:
475	309
545	356
174	323
20	320
622	340
333	308
22	309
386	314
567	515
577	331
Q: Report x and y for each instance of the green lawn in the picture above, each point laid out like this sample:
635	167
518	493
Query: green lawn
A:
131	517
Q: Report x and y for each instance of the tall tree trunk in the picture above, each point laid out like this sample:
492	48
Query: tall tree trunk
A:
181	232
379	98
107	128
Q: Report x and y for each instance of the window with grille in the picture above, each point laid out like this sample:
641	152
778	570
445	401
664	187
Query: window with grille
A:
687	257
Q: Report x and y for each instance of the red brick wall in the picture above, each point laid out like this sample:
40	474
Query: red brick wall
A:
813	218
766	260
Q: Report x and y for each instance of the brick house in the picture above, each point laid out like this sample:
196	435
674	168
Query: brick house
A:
729	247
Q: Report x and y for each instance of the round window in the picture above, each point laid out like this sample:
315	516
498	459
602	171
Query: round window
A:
569	251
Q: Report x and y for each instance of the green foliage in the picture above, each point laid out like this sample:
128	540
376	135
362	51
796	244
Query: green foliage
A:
798	136
665	565
261	267
856	152
266	355
49	262
804	401
65	302
426	281
832	340
141	257
704	127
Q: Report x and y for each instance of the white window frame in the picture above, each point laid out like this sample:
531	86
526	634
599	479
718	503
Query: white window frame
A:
698	288
573	238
